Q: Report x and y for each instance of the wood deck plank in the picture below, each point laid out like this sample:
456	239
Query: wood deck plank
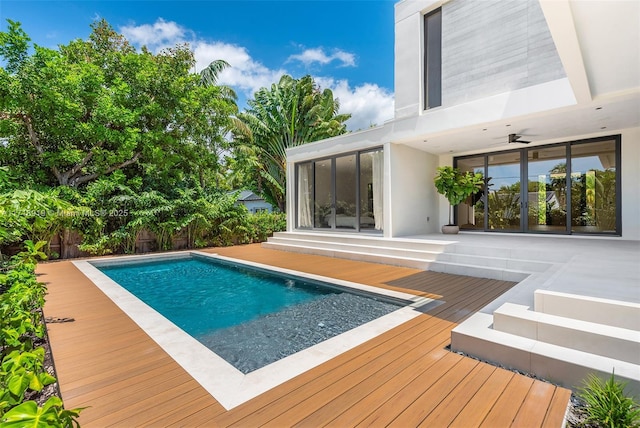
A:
557	408
449	408
105	361
425	404
507	406
481	403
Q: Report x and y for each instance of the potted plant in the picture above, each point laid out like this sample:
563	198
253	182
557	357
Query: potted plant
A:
456	186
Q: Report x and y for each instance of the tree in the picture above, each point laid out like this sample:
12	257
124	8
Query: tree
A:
290	113
98	106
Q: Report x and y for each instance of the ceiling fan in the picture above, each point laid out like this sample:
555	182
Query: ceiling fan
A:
514	138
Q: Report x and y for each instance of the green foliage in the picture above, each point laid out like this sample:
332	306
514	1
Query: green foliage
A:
290	113
51	414
456	185
22	368
607	405
96	106
31	214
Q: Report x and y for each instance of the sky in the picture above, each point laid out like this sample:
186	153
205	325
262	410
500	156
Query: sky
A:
347	46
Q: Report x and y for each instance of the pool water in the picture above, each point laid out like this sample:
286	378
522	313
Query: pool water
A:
201	296
249	317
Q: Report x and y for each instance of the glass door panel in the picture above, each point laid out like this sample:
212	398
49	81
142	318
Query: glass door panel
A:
593	187
470	213
305	195
547	189
371	182
346	213
323	197
503	192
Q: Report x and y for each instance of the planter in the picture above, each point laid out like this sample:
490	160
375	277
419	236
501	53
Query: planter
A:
449	229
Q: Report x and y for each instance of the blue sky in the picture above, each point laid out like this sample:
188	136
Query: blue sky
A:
346	45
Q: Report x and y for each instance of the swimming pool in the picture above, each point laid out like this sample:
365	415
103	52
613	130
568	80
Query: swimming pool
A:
248	316
228	385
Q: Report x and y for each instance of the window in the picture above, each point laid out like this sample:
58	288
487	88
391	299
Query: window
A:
564	188
341	193
433	59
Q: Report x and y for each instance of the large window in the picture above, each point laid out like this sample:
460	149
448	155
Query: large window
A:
433	59
341	193
563	188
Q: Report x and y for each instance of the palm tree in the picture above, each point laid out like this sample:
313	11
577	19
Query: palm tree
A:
290	113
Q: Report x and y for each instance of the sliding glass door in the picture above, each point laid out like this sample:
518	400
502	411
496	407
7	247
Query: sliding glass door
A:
562	188
547	189
341	193
504	202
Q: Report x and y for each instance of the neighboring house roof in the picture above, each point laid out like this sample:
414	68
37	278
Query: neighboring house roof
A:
247	195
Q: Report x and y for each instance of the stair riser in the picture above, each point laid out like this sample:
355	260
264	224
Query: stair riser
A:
407	244
395	252
548	256
373	258
620	348
478	272
499	263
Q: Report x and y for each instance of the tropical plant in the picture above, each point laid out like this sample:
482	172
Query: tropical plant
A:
607	404
290	113
22	369
456	185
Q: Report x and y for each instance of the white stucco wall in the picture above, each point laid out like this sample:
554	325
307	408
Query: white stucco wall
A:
631	183
413	201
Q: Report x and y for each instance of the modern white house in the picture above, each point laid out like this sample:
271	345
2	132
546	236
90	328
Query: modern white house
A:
542	97
562	75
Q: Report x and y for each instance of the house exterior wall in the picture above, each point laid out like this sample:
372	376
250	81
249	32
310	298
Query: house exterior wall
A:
252	206
501	74
507	42
630	180
411	174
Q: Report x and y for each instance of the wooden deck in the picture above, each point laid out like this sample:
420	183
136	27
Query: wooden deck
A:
403	378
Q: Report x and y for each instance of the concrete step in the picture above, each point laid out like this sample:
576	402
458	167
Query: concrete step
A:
599	339
350	255
479	271
491	261
559	364
358	246
361	239
614	313
548	255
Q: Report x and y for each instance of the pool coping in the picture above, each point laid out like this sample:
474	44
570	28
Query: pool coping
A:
229	386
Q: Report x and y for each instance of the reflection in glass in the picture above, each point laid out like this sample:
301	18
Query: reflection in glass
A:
305	199
593	187
346	214
471	212
547	189
371	182
323	194
503	187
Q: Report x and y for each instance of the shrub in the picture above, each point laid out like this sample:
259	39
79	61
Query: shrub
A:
22	369
607	405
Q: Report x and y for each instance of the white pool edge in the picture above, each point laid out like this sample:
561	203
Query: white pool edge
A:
229	386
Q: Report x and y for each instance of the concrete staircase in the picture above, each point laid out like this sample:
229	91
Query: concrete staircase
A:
446	255
564	338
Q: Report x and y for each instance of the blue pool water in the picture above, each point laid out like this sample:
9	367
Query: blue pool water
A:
202	296
249	317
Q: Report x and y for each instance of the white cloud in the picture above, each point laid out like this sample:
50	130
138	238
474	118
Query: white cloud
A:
245	74
155	36
369	104
318	55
